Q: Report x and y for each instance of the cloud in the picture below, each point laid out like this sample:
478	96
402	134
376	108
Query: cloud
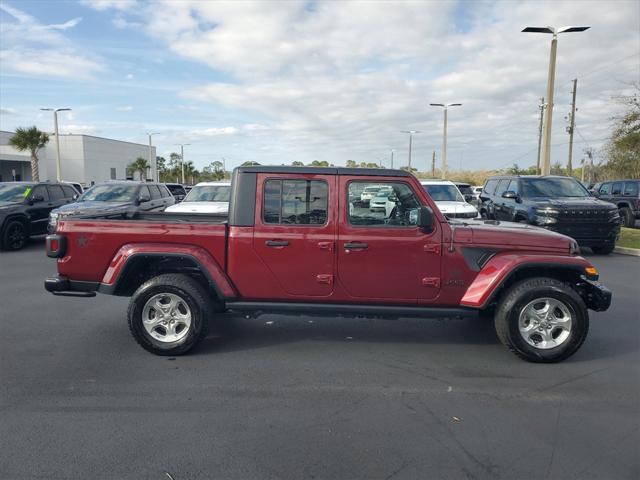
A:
8	111
102	5
209	132
33	48
127	108
78	129
129	76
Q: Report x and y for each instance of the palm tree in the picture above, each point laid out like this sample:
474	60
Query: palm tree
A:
33	140
140	165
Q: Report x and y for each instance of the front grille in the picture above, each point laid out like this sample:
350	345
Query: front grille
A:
462	215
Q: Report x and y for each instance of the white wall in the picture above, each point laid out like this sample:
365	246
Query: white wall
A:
102	154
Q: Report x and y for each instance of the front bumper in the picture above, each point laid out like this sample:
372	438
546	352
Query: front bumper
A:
596	296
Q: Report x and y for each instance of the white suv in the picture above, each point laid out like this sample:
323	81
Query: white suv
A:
449	199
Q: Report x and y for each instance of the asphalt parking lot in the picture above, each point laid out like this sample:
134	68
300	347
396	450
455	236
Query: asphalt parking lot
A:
321	398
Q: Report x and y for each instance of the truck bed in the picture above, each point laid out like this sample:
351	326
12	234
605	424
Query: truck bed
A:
93	241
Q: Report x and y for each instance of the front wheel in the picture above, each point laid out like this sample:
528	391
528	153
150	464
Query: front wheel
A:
14	236
604	249
628	219
168	314
542	320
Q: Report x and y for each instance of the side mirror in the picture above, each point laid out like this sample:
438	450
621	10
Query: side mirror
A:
425	219
143	199
510	194
36	199
75	197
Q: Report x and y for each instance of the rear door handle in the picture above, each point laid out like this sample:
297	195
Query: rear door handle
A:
355	246
276	243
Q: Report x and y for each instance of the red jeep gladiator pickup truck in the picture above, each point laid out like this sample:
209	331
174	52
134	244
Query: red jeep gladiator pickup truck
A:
299	240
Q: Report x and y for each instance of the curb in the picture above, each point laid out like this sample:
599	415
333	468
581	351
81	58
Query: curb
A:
635	252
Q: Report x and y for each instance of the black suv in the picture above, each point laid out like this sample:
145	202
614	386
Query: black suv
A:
177	190
556	203
25	207
114	198
625	194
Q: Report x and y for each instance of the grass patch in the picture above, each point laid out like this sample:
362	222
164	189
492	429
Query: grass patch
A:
629	238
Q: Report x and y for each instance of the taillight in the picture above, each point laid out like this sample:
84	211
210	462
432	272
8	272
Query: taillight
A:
56	246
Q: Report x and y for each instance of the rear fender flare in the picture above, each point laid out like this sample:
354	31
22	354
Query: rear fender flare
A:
498	271
203	259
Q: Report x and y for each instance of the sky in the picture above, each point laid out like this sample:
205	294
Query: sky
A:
282	81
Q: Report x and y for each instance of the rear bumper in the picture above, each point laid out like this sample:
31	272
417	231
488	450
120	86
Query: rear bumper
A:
60	285
596	296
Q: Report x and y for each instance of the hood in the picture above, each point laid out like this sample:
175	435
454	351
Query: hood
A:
509	234
199	207
9	204
87	208
455	207
572	203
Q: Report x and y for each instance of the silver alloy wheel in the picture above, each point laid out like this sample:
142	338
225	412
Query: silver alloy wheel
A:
166	317
545	323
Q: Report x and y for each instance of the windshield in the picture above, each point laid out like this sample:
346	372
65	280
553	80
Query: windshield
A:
14	193
209	193
444	193
552	187
110	193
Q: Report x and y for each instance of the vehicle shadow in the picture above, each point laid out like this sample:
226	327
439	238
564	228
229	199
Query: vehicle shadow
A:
234	333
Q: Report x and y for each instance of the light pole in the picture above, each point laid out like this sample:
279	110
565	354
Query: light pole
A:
444	135
55	126
548	113
392	159
411	133
182	145
151	134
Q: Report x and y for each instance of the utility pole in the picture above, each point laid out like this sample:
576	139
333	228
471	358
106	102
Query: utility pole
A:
55	126
548	113
582	163
410	132
540	134
572	123
182	145
392	159
589	153
445	106
433	164
151	160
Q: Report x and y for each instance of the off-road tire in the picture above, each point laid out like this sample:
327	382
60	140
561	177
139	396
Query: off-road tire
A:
628	219
604	249
191	292
526	291
12	228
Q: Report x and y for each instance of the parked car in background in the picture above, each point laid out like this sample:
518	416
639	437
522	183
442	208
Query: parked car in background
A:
205	197
625	194
368	193
449	199
385	200
25	207
476	191
177	190
557	203
117	197
78	187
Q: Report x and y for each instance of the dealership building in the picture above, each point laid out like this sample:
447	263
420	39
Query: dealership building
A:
83	159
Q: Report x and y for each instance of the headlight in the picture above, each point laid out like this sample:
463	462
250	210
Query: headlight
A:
53	219
542	220
546	211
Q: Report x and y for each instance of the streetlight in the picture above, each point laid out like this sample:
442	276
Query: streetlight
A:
392	151
548	113
444	136
182	145
151	134
410	132
55	126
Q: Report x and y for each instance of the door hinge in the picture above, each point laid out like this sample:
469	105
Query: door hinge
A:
431	282
432	248
325	278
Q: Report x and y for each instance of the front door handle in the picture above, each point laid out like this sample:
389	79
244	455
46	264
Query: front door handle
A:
276	243
355	246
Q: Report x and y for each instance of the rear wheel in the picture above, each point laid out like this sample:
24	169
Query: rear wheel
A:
168	314
14	235
542	320
628	219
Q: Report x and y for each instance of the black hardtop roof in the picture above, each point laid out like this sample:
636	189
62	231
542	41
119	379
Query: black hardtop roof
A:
379	172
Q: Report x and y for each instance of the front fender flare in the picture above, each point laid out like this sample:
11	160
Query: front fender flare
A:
497	271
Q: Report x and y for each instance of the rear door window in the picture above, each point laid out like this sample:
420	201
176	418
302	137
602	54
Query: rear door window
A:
616	189
631	189
55	192
295	202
